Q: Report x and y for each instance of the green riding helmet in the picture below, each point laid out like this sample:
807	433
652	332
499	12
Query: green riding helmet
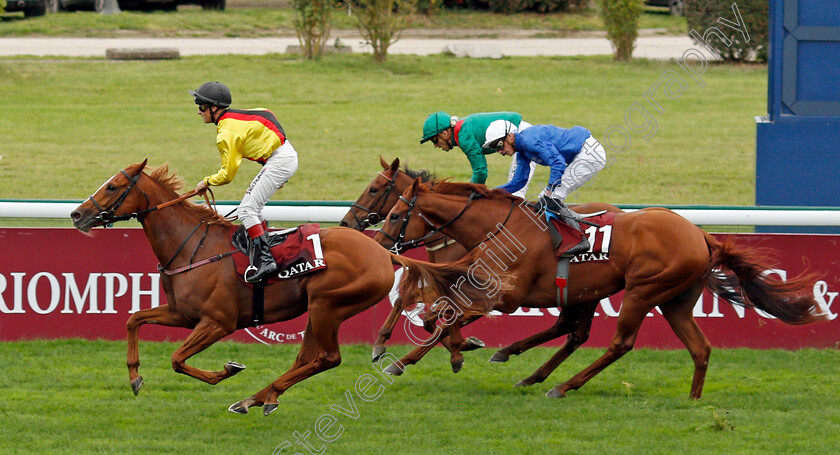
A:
435	123
213	93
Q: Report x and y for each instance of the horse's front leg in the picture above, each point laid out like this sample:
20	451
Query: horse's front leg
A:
438	334
456	344
386	330
455	349
206	332
567	322
160	315
573	341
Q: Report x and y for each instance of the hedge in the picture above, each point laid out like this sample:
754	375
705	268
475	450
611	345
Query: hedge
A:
701	15
518	6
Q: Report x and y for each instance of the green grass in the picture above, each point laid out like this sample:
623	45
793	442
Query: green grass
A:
244	19
72	397
76	122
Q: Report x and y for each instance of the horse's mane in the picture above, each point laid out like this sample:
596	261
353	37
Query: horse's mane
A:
447	186
422	174
171	183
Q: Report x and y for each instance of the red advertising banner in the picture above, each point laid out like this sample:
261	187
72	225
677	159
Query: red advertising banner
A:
60	283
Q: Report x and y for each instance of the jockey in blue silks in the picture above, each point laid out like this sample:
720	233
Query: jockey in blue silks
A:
573	155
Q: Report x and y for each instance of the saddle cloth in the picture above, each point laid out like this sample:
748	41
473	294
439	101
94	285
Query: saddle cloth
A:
296	250
599	236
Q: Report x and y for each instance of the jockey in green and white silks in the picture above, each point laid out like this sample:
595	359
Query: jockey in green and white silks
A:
446	131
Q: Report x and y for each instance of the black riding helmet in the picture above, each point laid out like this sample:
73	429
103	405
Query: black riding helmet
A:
213	93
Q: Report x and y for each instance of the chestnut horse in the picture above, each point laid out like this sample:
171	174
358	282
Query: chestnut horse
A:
659	258
374	203
370	208
208	296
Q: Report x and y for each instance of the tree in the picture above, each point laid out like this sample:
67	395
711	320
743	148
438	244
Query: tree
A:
313	24
621	19
381	22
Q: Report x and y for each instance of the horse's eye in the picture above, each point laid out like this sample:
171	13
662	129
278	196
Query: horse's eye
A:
374	190
111	188
394	217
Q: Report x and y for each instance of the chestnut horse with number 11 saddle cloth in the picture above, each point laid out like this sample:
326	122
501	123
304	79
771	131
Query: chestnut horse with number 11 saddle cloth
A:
660	260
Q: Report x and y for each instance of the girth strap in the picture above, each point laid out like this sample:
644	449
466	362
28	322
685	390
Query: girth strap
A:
258	303
562	280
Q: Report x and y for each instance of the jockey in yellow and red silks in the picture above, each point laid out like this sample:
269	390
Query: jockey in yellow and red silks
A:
256	135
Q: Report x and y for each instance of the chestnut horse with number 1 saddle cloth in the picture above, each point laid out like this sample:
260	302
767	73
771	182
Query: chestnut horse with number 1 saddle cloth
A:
209	296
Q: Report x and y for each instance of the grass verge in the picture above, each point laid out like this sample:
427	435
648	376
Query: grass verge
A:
78	121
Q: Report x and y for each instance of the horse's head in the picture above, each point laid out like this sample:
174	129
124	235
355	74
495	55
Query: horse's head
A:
113	201
404	223
377	199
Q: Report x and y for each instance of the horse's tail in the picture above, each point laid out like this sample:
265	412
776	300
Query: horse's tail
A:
452	289
748	285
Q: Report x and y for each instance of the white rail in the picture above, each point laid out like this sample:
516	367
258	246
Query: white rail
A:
332	212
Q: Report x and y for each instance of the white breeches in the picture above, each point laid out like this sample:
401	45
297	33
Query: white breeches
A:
590	161
279	168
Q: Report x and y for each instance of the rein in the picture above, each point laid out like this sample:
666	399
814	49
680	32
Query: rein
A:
107	217
400	245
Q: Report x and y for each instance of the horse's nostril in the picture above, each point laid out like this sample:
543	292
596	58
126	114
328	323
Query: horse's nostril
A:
75	215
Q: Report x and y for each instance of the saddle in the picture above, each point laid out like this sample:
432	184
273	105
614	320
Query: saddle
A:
565	237
297	251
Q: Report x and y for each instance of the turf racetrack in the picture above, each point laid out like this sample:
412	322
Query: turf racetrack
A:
73	397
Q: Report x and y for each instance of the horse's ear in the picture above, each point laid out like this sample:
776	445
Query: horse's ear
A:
395	165
415	185
143	164
383	162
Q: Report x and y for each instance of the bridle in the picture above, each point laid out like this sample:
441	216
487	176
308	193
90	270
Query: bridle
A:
107	217
373	217
400	245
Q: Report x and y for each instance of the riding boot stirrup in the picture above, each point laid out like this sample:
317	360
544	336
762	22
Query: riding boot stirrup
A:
262	262
569	217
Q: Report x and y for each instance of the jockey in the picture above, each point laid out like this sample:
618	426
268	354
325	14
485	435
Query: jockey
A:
446	131
573	155
256	135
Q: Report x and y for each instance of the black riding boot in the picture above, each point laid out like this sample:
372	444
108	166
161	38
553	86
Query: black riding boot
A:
261	259
571	218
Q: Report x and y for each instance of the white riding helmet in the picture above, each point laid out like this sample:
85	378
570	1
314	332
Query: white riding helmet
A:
498	130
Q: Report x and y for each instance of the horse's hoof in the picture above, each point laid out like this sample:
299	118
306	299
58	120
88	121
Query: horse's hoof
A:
136	384
393	369
472	343
554	393
234	367
378	351
523	383
268	408
499	357
239	407
457	365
